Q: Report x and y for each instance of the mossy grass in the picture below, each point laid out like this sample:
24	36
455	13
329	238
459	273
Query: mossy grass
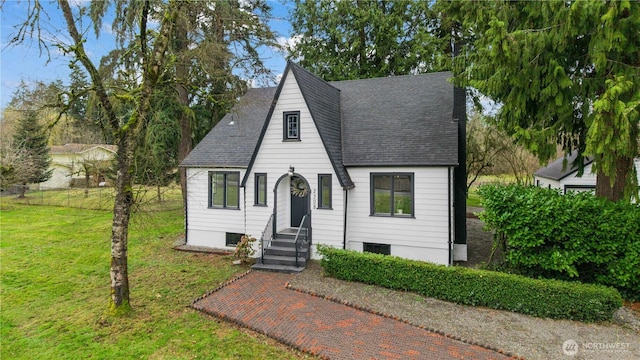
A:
55	291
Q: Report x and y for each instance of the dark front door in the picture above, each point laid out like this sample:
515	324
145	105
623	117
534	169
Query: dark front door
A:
299	207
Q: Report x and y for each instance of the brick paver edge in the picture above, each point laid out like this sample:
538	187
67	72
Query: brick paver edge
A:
219	287
389	316
339	301
247	326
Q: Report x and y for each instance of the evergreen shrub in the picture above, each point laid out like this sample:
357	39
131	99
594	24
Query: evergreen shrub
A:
538	297
569	237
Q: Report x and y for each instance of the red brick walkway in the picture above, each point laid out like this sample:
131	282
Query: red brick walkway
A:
261	302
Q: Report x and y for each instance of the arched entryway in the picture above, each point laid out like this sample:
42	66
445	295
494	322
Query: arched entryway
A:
292	194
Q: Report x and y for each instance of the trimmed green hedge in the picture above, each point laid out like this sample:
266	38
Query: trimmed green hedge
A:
543	298
566	237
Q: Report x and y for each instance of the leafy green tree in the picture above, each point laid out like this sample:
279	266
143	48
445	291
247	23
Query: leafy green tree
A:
156	164
211	41
565	73
340	40
61	109
30	142
204	79
36	96
85	129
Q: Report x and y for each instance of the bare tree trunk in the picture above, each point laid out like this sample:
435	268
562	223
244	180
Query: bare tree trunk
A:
182	72
184	148
120	233
614	192
87	177
126	134
23	189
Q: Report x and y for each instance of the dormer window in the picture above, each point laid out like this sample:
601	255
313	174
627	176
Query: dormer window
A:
291	125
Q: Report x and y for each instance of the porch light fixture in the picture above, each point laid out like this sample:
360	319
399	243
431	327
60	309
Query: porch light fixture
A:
291	170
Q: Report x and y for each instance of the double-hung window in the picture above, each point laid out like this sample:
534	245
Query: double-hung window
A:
324	193
291	125
392	194
224	189
261	189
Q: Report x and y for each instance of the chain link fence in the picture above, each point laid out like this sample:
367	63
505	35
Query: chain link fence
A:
147	198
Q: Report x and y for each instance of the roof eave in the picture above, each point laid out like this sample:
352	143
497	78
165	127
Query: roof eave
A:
211	166
396	164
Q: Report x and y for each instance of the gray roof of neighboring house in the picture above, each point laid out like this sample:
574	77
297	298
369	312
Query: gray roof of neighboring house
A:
79	148
558	169
232	140
391	121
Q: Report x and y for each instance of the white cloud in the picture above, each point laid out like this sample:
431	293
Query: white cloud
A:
78	3
290	42
107	29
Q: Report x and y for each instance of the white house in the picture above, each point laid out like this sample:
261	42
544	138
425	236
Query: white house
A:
563	174
368	165
70	161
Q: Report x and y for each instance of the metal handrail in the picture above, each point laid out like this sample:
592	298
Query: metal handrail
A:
305	236
266	234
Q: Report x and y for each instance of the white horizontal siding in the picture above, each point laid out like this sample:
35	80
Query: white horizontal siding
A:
588	178
546	183
424	237
208	226
308	156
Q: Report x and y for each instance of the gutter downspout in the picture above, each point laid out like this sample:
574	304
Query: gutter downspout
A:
344	229
186	213
244	200
450	218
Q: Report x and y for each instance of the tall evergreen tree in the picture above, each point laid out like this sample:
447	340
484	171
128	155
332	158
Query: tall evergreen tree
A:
85	128
212	40
565	73
31	141
340	40
207	57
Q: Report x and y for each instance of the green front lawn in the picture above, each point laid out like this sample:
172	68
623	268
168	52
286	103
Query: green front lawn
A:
55	286
473	198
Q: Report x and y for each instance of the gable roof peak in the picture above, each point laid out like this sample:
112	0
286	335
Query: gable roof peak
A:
299	70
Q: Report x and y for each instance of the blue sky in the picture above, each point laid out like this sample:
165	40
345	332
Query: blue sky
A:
26	62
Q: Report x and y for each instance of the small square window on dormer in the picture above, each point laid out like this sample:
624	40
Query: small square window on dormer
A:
291	125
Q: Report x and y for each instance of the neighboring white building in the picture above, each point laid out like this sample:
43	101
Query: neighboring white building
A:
70	161
371	163
563	174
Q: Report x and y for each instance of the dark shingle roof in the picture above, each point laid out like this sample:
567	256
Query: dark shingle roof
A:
557	169
392	121
231	142
323	101
400	120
